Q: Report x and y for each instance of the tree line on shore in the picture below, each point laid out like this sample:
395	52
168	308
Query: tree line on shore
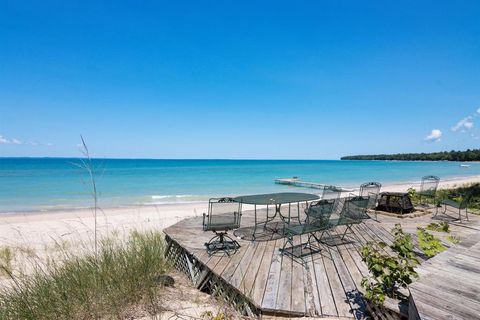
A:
467	155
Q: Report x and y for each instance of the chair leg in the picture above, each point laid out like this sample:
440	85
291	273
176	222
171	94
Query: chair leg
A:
346	229
288	241
222	242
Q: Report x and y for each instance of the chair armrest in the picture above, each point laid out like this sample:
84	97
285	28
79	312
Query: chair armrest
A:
204	218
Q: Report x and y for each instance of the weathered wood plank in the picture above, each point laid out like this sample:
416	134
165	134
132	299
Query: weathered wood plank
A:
271	289
341	302
351	293
242	269
467	289
327	302
262	276
312	298
298	286
249	280
447	302
284	296
232	265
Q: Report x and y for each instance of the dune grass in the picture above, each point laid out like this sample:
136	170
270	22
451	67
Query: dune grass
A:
116	281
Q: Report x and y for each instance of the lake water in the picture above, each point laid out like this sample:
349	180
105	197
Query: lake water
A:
49	183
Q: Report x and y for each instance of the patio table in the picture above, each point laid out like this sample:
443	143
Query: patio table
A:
276	199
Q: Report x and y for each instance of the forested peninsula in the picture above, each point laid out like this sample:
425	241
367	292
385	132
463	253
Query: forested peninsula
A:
467	155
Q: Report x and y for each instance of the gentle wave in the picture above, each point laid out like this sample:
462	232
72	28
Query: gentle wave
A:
174	196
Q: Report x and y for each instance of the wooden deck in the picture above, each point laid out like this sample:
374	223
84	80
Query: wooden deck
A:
449	283
325	284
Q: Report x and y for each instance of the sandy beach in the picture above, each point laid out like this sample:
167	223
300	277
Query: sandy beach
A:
38	230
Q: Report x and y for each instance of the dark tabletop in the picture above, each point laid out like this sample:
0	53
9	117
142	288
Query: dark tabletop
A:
276	198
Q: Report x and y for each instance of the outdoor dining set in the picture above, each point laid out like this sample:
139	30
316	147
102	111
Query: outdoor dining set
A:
288	214
313	216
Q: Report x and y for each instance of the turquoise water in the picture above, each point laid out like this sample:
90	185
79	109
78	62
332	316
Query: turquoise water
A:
48	183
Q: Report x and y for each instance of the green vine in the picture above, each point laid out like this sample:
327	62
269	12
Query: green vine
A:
429	244
389	272
453	239
439	227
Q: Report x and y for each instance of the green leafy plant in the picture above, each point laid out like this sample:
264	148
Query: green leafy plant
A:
429	244
209	315
439	227
453	239
412	194
389	271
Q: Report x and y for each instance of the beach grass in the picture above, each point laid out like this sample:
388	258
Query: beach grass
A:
114	282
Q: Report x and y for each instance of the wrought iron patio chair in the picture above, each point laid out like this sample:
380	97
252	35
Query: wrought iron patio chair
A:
223	215
371	190
461	203
317	221
428	188
332	193
354	211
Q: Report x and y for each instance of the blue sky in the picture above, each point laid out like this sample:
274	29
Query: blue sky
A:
238	79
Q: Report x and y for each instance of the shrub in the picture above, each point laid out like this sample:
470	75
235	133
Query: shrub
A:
91	286
429	244
412	194
439	227
390	272
453	239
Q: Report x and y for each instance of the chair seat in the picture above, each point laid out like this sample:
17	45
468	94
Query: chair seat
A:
343	221
451	203
222	223
300	229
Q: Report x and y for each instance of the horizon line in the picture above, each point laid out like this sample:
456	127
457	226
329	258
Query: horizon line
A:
174	159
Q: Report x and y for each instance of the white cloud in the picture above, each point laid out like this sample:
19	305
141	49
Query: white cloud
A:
465	123
4	140
435	135
15	141
478	110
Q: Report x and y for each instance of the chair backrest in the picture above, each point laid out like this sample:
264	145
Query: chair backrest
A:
319	212
355	208
331	192
429	184
223	213
371	190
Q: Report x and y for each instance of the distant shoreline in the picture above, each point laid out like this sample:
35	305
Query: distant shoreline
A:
469	155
